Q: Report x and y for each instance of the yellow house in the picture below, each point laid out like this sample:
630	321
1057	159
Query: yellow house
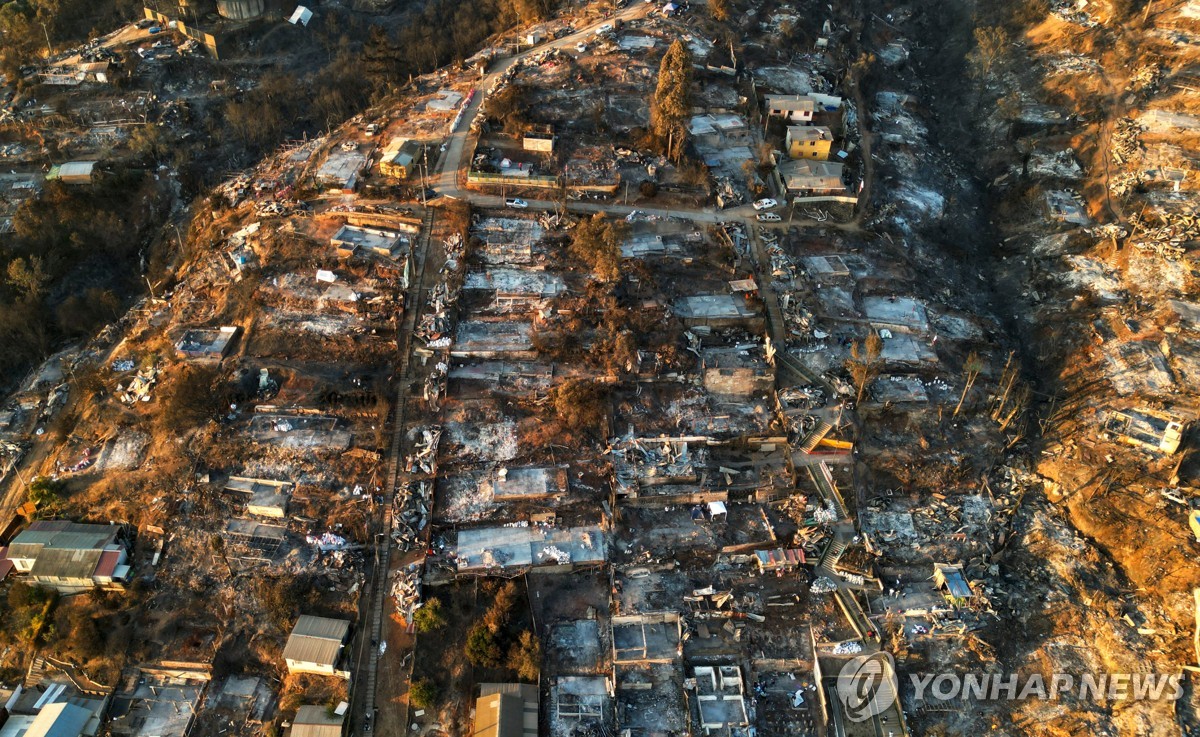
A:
809	142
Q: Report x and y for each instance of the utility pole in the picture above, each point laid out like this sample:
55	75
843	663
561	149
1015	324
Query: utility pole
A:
424	179
49	48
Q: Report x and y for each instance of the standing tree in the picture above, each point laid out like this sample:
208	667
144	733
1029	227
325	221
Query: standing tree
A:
864	362
430	617
483	649
597	243
719	10
672	100
381	59
531	11
423	693
31	277
45	494
971	369
991	44
525	657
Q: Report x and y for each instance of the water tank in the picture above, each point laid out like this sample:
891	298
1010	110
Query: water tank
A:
241	9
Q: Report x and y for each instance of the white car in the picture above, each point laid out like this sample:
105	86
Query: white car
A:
766	204
581	47
768	217
517	203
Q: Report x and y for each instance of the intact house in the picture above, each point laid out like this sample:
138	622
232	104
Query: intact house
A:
70	557
796	108
56	720
400	159
52	701
807	109
812	177
506	710
316	721
809	142
315	645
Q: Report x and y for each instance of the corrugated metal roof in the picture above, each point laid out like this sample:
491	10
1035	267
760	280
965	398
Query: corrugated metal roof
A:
316	640
313	650
323	627
314	721
503	713
66	563
77	169
59	720
108	563
62	535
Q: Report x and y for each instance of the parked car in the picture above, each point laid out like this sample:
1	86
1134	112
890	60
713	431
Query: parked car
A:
581	47
768	217
516	203
154	29
146	23
765	204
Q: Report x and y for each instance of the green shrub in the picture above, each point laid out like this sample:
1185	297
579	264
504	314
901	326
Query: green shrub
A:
483	650
423	693
430	617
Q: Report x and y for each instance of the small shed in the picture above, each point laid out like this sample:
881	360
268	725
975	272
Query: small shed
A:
717	511
74	172
316	721
315	645
301	16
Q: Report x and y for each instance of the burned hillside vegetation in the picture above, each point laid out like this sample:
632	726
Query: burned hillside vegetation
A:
654	369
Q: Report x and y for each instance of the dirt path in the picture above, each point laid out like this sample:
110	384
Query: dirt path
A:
866	138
